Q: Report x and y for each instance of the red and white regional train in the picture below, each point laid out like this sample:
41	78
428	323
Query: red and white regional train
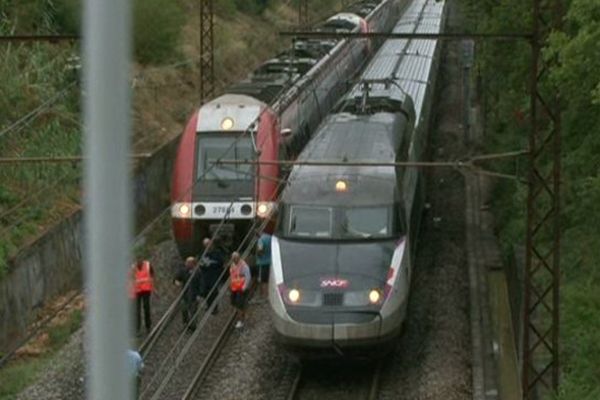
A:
267	117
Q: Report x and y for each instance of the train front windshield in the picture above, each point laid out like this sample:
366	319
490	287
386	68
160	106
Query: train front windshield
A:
219	146
303	221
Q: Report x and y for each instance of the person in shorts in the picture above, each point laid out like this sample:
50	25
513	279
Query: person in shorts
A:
239	284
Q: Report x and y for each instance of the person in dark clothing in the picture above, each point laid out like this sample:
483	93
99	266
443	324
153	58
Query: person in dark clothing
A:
189	305
211	266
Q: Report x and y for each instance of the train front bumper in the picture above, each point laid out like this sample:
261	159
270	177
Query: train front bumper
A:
373	331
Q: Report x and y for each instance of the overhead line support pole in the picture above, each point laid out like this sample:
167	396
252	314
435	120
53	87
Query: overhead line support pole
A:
207	68
107	191
541	367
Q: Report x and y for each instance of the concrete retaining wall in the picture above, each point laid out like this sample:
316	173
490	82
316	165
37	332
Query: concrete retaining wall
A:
52	265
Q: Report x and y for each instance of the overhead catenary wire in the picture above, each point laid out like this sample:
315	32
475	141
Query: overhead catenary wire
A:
184	351
278	104
249	234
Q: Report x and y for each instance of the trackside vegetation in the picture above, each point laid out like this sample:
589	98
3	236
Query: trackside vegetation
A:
40	111
505	70
41	90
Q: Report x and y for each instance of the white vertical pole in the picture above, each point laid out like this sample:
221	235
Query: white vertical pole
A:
107	193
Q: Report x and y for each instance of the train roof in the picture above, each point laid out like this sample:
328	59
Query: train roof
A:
401	68
268	80
217	109
349	138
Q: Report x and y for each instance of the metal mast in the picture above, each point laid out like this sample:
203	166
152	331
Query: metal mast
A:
207	57
107	191
540	373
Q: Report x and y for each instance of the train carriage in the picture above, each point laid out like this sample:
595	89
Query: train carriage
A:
267	117
344	246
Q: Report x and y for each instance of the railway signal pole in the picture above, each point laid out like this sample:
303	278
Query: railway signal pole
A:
207	56
540	374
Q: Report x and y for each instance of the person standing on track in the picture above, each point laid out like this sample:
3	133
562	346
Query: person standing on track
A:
189	305
143	285
211	266
240	280
263	261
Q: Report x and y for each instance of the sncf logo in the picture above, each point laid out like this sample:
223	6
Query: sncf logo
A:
334	283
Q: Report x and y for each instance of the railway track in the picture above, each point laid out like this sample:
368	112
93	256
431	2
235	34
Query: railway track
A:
210	359
182	359
360	381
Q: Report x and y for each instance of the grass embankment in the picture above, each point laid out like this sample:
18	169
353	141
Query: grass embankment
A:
43	78
505	71
37	355
40	109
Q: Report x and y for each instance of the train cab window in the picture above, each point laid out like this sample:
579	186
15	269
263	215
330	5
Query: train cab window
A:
366	222
307	221
224	147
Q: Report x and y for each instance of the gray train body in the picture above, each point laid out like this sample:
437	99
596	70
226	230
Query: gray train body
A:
344	246
269	116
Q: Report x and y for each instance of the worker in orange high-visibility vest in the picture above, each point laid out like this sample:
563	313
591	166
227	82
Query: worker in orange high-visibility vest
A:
239	283
143	287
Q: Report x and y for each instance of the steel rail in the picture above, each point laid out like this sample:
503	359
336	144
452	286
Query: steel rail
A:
375	382
254	228
211	358
295	385
371	394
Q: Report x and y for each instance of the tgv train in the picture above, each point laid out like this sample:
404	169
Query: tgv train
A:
344	246
267	117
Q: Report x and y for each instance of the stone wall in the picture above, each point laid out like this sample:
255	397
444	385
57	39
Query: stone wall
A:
52	264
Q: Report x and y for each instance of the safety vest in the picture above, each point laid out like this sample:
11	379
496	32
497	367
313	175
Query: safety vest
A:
237	279
143	278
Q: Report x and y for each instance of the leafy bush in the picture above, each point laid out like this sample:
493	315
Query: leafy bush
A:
230	7
157	27
252	6
575	76
68	16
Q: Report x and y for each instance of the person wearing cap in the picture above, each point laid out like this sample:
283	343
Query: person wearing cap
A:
239	283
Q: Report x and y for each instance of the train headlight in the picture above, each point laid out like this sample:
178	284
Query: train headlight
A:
264	209
294	295
374	296
227	123
341	186
182	210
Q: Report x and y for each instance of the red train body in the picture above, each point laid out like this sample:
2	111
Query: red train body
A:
267	117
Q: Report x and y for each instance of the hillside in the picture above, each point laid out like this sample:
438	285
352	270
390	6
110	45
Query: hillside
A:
504	69
40	106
